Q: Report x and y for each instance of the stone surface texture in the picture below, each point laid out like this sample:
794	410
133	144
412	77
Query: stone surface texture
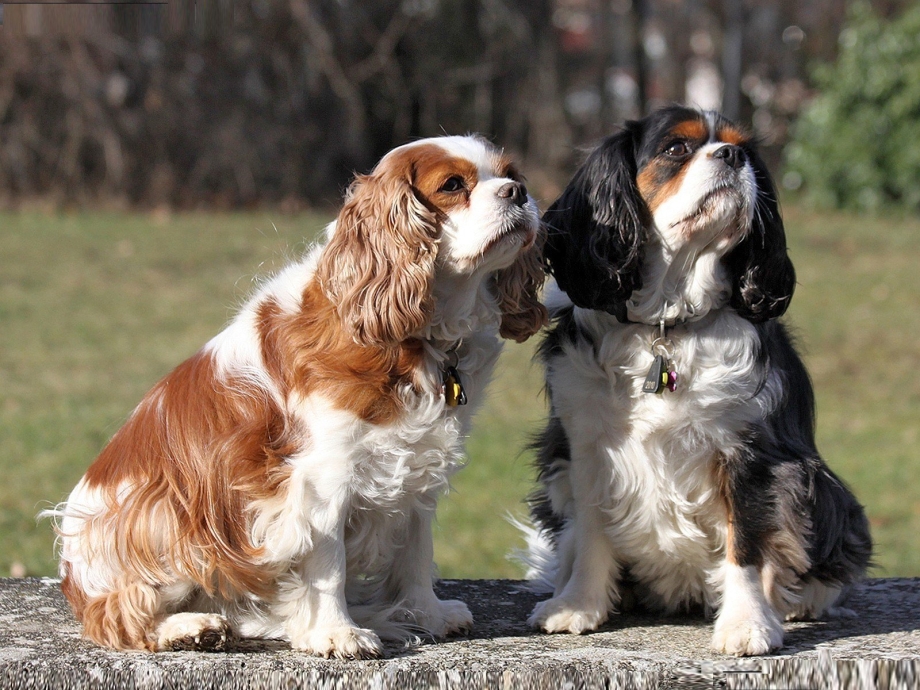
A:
41	647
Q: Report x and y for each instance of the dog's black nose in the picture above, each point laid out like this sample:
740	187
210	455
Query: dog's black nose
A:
733	156
515	192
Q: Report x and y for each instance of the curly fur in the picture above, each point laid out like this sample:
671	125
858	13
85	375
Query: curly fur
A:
282	481
378	268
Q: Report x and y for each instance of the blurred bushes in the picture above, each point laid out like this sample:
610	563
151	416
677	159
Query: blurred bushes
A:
269	101
857	144
238	103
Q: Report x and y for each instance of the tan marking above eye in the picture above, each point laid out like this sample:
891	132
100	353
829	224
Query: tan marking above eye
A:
429	167
730	134
691	129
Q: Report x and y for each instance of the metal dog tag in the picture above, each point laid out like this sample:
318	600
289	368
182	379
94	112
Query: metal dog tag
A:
657	376
453	389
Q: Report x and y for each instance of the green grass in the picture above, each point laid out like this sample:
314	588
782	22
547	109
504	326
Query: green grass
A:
857	311
94	308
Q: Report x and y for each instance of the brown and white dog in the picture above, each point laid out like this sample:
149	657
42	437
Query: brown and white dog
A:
679	463
288	472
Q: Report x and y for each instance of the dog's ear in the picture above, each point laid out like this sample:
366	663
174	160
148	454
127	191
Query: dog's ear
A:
518	288
378	266
596	229
763	278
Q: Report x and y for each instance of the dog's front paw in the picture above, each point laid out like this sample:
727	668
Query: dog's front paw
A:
439	618
747	636
560	615
343	642
448	617
200	632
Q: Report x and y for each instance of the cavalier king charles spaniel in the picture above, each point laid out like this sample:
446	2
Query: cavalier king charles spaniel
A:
678	467
281	483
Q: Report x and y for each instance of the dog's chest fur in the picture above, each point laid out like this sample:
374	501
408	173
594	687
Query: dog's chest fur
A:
654	458
402	468
397	471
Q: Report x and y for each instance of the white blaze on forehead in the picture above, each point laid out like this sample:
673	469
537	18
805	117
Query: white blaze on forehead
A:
712	118
474	149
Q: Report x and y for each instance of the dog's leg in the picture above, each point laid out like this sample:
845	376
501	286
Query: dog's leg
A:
188	622
747	624
586	581
191	631
410	582
818	600
125	618
311	597
133	613
588	595
565	558
585	601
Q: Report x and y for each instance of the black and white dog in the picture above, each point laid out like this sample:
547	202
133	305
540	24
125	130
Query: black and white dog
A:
679	461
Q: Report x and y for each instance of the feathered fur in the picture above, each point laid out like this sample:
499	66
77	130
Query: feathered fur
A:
282	481
712	495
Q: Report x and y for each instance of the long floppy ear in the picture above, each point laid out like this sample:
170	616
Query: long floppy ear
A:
518	288
762	274
378	267
596	229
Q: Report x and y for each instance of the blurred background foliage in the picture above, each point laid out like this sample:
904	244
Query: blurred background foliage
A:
857	143
235	103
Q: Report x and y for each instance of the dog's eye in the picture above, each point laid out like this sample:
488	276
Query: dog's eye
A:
677	149
453	184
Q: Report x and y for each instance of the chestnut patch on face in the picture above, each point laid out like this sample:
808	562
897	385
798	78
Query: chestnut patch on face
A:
443	182
658	181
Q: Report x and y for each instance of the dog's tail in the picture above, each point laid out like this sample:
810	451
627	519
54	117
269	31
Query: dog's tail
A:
539	558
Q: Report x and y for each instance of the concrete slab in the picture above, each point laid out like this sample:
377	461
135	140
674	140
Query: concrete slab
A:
41	647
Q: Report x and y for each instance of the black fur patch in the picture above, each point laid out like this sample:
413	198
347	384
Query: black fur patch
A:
763	278
596	229
778	482
552	445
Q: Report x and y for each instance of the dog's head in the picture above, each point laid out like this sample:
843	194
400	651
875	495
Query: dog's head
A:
436	209
671	217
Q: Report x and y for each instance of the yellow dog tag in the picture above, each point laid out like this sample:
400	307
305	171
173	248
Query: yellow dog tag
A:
452	388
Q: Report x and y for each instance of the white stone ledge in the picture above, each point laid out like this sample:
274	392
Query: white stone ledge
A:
41	647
